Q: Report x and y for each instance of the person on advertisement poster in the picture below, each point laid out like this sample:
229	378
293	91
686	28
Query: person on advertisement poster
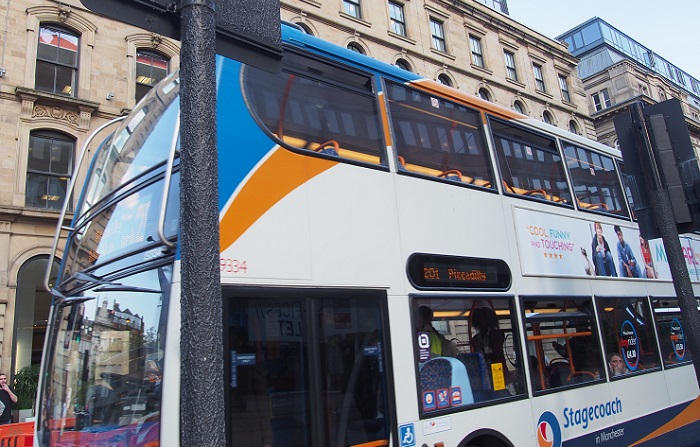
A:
628	263
602	259
649	270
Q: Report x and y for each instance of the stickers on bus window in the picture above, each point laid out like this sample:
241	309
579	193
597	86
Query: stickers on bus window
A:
677	339
629	345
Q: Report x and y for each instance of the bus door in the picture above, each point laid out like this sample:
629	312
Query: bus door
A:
306	367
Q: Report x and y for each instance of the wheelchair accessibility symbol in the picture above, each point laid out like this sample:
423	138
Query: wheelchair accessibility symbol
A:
407	435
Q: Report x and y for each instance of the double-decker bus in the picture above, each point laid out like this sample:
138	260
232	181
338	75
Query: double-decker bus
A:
402	264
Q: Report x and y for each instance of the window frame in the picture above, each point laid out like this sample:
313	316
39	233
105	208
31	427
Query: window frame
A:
353	8
437	35
539	340
477	51
630	326
518	178
599	166
539	77
599	105
564	87
51	135
438	138
511	68
448	323
398	24
345	133
663	308
73	69
152	54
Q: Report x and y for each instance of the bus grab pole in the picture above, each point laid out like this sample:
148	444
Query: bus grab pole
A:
201	334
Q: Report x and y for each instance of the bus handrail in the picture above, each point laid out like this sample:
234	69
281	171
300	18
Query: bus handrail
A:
69	193
166	187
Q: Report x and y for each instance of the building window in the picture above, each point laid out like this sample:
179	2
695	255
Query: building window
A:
539	78
511	73
484	94
352	8
403	64
57	61
398	22
49	166
477	54
573	127
151	67
547	117
601	100
356	47
438	35
444	80
519	107
564	89
305	28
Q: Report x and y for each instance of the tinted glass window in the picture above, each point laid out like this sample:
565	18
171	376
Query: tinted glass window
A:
562	342
530	164
105	369
306	369
596	184
671	330
318	107
628	334
467	351
438	138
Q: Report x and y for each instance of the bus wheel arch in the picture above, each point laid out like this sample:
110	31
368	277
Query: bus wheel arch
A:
485	437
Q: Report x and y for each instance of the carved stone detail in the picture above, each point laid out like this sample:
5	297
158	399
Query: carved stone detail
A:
41	111
63	12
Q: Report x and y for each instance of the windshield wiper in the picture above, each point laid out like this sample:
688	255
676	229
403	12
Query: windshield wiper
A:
70	300
109	286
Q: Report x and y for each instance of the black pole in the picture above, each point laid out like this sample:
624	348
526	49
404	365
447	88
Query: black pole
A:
663	215
202	377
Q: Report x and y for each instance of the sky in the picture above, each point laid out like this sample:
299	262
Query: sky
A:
668	28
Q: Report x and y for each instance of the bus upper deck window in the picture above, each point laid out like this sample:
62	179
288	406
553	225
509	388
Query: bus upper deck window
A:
438	138
319	108
530	163
596	184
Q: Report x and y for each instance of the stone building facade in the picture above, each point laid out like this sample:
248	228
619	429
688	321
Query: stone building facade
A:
466	44
65	71
616	70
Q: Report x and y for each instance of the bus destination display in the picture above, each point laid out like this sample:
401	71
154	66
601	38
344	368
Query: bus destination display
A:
429	271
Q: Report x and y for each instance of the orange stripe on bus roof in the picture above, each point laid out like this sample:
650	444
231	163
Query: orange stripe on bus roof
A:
280	174
429	85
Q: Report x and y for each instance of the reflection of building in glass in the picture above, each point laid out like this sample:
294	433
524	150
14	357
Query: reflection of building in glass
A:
117	340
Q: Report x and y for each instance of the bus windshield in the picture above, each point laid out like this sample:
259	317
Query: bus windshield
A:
106	362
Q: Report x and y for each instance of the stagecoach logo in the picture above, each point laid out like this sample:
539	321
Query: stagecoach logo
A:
548	431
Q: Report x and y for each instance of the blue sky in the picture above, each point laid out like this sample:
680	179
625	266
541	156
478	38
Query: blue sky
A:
670	28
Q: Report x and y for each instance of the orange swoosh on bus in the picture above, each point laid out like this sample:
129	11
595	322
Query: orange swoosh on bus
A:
688	416
280	174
